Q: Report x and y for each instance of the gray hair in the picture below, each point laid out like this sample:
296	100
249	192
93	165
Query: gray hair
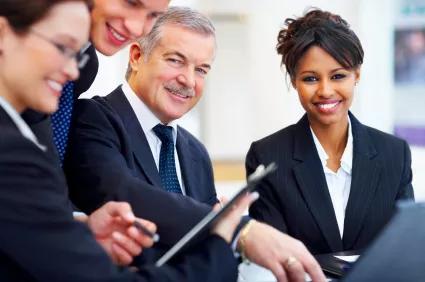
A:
178	16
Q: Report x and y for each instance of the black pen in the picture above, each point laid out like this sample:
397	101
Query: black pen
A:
142	228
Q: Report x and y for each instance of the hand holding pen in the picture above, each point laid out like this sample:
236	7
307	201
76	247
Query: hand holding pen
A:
120	233
146	231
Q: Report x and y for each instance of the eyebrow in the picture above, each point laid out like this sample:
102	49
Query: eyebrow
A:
183	57
208	66
176	53
332	71
66	39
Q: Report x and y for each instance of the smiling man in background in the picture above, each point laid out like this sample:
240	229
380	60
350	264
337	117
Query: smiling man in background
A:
127	146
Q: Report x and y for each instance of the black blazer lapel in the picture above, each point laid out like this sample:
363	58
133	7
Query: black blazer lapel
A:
6	120
188	165
312	183
365	178
139	143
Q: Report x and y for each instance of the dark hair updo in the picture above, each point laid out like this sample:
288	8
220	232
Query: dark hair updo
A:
323	29
22	14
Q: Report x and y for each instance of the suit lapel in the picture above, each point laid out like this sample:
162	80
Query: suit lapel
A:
6	120
365	177
139	143
312	183
188	165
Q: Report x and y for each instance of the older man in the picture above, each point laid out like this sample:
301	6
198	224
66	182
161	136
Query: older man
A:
124	145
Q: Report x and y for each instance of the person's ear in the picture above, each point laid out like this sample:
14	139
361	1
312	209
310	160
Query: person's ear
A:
136	56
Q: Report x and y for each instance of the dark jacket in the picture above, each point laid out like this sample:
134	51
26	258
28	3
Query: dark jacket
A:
296	199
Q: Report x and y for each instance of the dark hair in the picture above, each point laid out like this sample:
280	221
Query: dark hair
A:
21	14
323	29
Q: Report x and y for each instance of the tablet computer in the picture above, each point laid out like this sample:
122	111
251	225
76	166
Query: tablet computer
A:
209	220
337	265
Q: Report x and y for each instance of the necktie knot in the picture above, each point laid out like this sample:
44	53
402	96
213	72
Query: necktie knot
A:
164	133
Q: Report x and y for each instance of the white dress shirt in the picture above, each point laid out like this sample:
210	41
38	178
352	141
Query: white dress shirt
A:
339	183
148	121
20	123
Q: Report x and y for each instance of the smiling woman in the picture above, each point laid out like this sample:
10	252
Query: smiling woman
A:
338	180
41	50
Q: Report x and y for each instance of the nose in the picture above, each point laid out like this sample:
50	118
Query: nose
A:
187	78
325	89
71	69
136	26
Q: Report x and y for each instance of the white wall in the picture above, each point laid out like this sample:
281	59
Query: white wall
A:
247	95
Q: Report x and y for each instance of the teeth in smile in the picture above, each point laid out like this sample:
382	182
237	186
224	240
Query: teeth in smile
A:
117	35
180	95
177	93
55	85
327	106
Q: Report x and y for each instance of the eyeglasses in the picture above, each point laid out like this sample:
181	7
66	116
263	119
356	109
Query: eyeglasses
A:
80	57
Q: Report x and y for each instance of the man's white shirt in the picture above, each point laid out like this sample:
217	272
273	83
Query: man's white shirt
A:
148	121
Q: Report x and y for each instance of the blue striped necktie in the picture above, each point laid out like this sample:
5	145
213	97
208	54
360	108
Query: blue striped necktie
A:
167	164
61	119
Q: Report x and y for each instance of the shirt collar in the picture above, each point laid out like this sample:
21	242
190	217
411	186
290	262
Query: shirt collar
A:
22	126
147	119
347	156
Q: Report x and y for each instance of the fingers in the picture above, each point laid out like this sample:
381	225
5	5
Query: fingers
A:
126	244
313	269
121	209
223	200
148	224
226	226
234	214
309	263
279	272
285	256
217	207
120	256
295	270
244	203
139	236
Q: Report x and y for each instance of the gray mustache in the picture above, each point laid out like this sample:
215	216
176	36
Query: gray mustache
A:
184	91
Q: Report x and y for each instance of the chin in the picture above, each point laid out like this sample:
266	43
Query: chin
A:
175	116
48	108
106	49
50	111
330	121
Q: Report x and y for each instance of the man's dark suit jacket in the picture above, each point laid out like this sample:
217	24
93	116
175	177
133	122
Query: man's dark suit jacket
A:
183	213
296	199
40	240
108	158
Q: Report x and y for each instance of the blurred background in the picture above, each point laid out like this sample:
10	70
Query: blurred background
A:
248	96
